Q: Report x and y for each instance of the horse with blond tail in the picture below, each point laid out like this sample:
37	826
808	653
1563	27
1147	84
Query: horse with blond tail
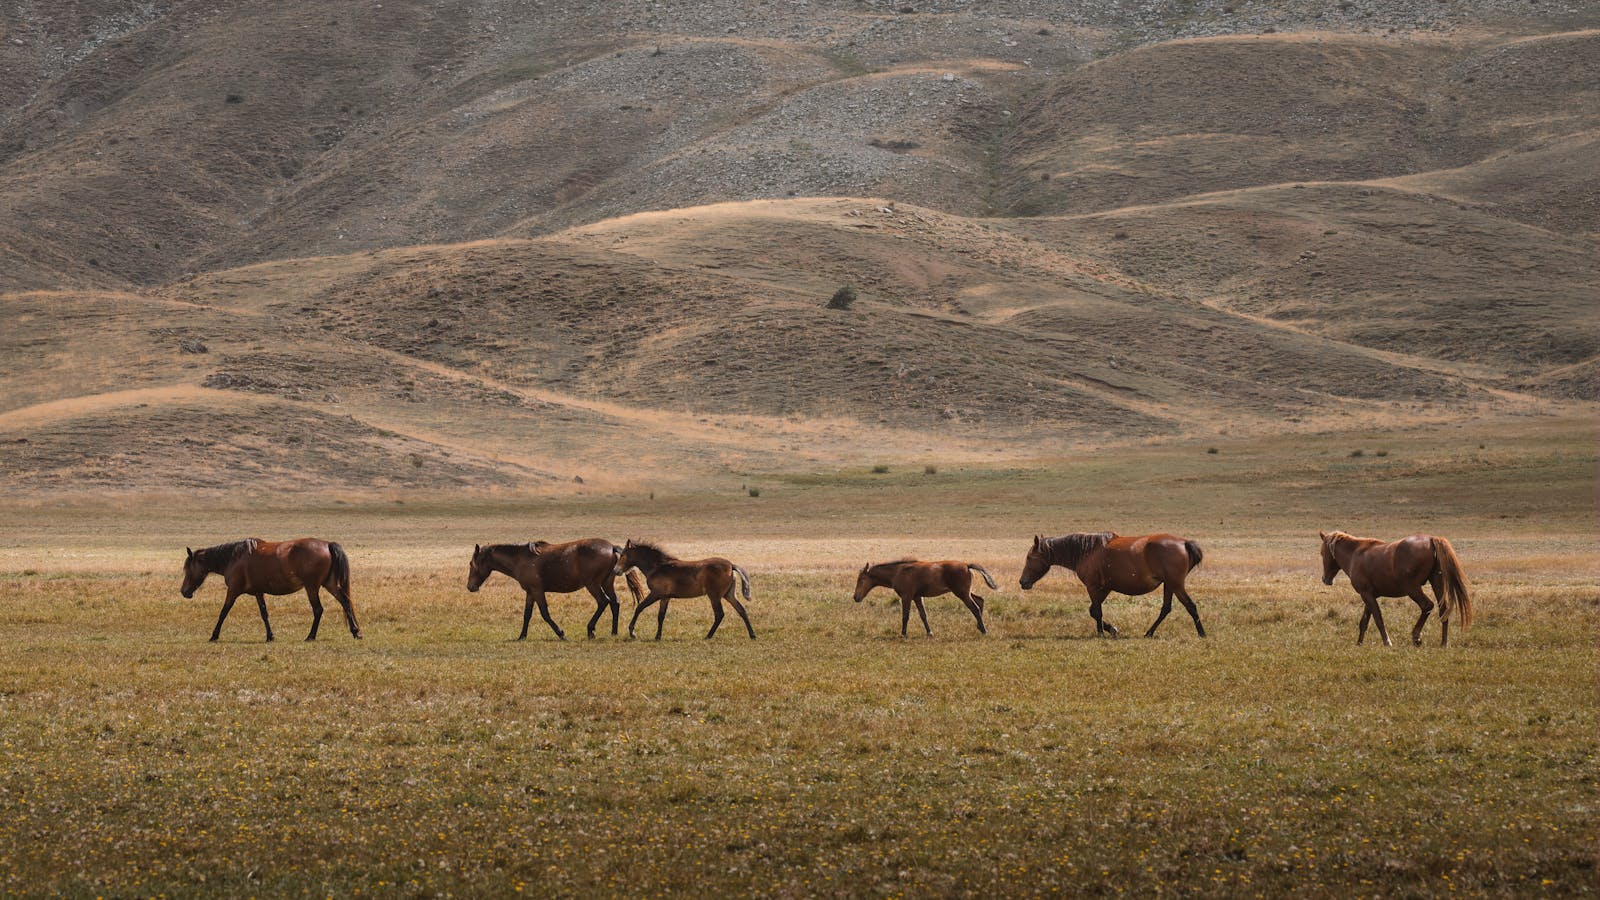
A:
1400	569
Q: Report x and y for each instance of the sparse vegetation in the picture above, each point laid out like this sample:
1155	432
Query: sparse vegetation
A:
880	469
930	469
843	298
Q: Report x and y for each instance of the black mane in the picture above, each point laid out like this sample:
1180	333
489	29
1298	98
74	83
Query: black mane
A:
1070	549
648	556
222	555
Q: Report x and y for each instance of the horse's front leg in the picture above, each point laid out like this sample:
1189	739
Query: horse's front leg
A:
644	604
922	612
227	606
544	613
661	617
1101	626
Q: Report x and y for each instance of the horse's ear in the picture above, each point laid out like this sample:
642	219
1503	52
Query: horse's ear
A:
1323	535
865	567
476	549
1038	539
188	551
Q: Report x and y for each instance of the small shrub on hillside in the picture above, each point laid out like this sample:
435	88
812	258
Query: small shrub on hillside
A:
880	470
755	492
843	298
1355	453
930	470
1211	450
233	98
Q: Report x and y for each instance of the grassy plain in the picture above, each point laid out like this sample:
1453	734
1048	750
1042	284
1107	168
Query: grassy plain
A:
438	757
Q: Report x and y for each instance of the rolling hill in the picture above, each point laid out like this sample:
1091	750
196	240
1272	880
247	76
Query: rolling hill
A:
477	247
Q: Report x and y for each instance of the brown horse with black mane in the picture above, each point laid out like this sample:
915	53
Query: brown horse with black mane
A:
914	579
541	568
1399	569
1106	561
668	577
257	567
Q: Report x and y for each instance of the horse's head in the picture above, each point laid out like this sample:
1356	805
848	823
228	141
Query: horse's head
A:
194	574
864	583
620	561
481	567
1330	565
1036	565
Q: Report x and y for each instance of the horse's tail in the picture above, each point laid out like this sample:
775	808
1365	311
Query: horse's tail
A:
635	586
744	581
1195	554
1456	588
338	579
985	573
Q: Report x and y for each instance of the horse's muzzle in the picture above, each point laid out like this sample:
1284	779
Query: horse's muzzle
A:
1025	585
187	595
472	588
1328	581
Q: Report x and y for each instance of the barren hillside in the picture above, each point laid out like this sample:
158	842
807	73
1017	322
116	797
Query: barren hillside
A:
474	245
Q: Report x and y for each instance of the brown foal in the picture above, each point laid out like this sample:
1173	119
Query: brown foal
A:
668	577
914	579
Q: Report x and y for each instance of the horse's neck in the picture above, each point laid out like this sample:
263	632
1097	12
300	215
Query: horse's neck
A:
507	560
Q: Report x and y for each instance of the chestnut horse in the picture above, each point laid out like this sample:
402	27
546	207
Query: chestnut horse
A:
667	577
1399	569
1106	561
914	579
257	567
541	567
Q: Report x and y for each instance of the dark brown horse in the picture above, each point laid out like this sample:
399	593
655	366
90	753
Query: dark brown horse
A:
1399	569
1105	562
542	568
914	579
668	577
256	567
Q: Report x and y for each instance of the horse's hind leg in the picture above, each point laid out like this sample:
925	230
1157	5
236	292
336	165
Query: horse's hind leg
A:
1166	607
905	614
1437	580
316	610
922	611
974	604
261	601
601	602
227	606
342	595
1426	606
739	608
1188	604
716	615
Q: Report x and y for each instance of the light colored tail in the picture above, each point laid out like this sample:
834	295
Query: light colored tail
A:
985	573
1456	587
635	585
744	582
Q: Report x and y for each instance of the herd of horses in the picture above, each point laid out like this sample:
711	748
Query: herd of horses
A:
1105	562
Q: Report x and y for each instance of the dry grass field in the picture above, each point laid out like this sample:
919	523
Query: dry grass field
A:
830	756
420	274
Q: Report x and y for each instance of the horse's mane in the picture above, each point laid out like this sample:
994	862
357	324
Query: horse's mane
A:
526	547
893	562
1070	549
223	555
651	552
